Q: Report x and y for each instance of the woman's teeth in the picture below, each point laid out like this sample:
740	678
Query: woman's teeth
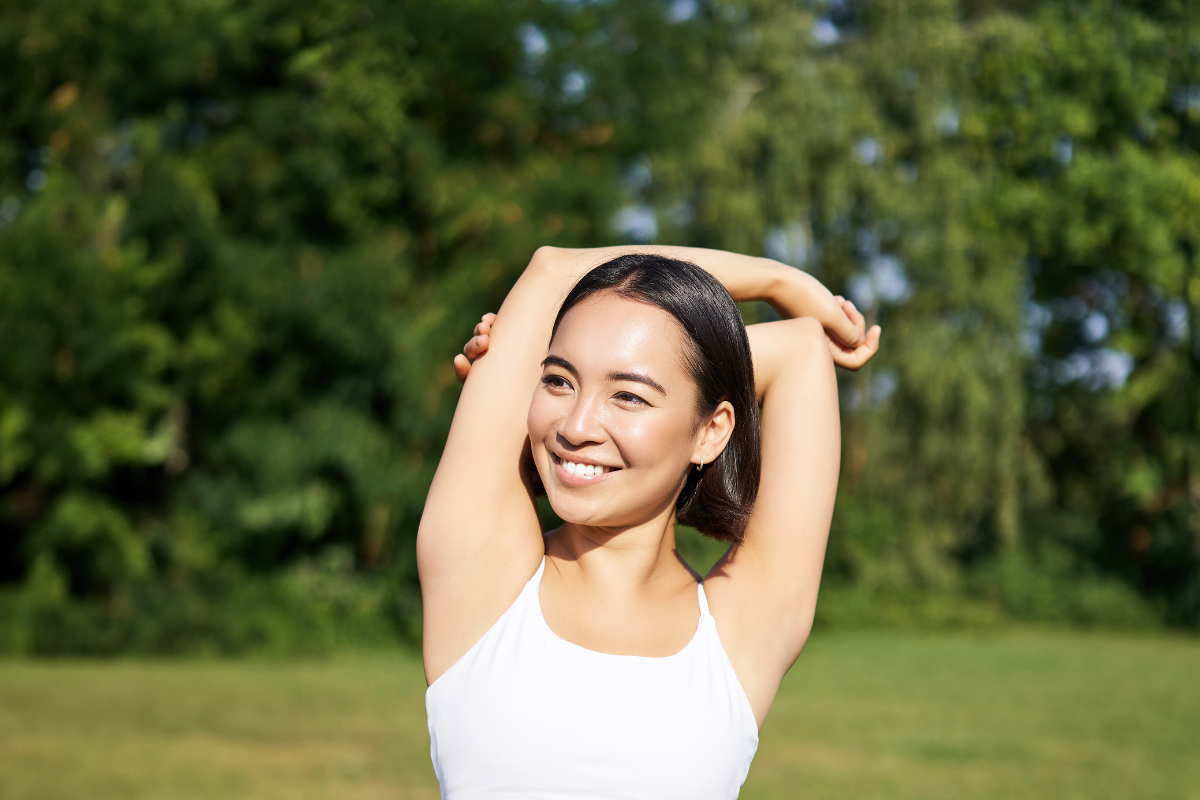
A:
584	470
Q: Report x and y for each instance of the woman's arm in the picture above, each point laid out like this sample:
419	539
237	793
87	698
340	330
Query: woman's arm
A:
479	538
764	592
791	292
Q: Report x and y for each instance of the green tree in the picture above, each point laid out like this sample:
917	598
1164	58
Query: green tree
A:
239	242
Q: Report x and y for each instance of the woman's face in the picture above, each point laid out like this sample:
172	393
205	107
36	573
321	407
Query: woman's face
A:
613	424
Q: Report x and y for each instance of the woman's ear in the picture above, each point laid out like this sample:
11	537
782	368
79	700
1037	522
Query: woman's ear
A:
714	434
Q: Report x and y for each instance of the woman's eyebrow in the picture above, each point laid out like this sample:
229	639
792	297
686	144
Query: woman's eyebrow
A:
556	361
637	377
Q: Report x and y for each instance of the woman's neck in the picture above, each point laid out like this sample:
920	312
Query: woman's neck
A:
629	559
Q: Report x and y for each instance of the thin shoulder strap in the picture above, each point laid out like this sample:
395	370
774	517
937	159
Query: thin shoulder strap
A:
703	599
536	580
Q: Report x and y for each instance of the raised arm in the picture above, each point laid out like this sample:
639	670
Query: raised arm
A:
764	592
479	538
791	292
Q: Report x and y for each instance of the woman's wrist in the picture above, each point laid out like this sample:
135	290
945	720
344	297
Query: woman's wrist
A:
794	293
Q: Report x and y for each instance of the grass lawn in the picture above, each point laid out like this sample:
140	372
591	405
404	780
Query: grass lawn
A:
870	715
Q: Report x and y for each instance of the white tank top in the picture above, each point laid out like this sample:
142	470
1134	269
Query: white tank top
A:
526	715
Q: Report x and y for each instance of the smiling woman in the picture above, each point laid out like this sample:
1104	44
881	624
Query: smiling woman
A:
707	358
613	671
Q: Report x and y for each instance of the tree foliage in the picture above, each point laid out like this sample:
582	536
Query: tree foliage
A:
239	242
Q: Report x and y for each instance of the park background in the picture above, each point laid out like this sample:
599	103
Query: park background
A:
240	242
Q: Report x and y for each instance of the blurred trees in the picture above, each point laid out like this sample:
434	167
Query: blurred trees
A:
239	243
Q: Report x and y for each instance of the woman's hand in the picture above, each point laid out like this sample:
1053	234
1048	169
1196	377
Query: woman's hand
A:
477	346
795	294
852	356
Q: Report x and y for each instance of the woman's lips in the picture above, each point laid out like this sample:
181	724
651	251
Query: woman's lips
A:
580	477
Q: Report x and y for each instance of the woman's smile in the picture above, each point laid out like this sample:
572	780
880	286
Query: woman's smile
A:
580	472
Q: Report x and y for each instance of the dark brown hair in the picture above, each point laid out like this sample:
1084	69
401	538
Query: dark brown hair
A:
716	500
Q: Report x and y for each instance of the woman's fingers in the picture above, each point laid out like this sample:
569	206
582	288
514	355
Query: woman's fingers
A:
845	328
870	346
855	316
853	313
472	350
853	358
847	324
476	346
462	367
485	325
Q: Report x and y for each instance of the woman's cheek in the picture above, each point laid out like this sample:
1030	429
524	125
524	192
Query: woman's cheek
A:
646	440
540	419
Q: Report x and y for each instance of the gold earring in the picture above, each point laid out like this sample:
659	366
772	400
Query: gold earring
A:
700	465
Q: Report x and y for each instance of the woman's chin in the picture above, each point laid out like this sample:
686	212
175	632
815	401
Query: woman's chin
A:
577	513
576	516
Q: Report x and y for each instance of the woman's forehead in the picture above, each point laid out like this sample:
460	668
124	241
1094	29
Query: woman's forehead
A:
610	329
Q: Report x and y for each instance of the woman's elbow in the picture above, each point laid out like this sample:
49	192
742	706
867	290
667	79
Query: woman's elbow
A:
547	260
806	341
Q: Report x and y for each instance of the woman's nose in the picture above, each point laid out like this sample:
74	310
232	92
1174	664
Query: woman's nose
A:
582	423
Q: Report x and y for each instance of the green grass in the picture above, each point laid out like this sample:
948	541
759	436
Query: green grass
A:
1024	715
865	715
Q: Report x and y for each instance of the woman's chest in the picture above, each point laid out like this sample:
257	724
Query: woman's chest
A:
565	730
634	626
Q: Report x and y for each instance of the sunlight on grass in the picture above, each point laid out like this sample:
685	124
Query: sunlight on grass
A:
1045	715
1031	715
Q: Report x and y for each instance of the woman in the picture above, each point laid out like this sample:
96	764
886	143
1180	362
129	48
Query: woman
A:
593	677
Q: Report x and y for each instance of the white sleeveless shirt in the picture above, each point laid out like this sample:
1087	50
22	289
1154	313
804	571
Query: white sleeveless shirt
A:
526	715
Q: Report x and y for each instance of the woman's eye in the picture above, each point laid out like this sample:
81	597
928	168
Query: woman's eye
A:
626	397
556	382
